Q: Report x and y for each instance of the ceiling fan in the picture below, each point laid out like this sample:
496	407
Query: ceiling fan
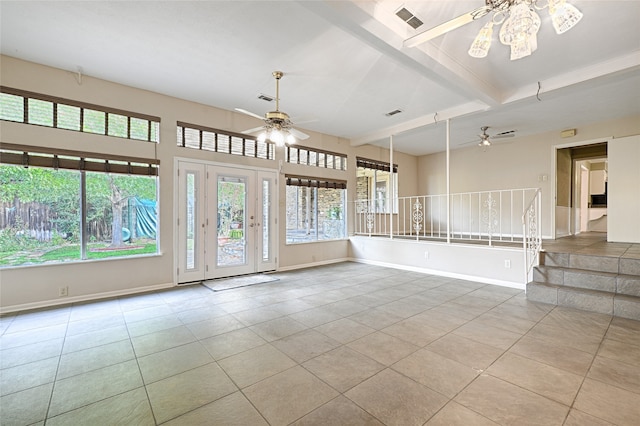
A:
519	23
277	127
485	138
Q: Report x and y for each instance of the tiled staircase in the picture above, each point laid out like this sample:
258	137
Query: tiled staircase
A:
608	285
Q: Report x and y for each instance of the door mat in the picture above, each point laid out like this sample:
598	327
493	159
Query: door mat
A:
235	282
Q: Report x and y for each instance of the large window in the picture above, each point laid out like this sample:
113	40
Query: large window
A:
315	209
56	209
377	185
43	110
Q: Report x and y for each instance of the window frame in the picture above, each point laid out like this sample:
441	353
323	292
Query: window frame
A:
224	142
391	183
321	157
27	96
82	162
317	184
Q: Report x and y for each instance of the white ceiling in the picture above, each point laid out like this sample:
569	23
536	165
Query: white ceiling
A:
344	63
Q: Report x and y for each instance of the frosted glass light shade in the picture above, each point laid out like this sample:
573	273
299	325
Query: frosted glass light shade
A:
564	16
520	31
482	43
277	137
521	48
516	25
291	139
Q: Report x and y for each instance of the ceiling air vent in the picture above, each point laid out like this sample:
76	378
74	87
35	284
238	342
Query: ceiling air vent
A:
265	97
409	18
394	112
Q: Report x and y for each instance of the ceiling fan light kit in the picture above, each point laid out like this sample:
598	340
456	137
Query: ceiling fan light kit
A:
484	137
278	127
520	25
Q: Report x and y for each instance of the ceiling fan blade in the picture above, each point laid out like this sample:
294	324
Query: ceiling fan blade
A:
297	121
298	134
254	130
446	27
249	113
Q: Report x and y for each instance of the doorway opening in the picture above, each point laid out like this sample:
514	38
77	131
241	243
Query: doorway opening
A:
581	189
226	221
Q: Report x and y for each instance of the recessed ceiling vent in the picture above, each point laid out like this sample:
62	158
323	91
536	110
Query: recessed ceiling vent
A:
409	18
394	112
265	97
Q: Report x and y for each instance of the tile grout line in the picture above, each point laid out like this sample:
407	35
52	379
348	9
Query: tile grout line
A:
584	377
55	377
483	371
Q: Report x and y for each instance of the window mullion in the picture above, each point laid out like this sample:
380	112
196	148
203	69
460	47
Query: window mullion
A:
25	111
315	211
83	215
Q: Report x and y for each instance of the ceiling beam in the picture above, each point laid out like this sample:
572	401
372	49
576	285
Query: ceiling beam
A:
427	120
358	20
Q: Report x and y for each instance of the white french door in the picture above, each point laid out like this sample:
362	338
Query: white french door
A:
226	221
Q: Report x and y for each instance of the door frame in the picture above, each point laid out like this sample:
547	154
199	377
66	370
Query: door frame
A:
260	172
554	167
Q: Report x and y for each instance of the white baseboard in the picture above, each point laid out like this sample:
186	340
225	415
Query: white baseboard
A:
311	265
84	298
510	284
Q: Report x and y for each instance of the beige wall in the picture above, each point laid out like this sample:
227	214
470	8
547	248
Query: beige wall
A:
37	286
623	203
520	163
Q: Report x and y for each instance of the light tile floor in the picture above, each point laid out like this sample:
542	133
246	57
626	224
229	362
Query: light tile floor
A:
341	344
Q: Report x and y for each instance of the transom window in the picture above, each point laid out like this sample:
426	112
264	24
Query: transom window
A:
42	110
209	139
316	157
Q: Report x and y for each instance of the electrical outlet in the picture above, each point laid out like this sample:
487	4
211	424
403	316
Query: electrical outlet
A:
63	291
507	264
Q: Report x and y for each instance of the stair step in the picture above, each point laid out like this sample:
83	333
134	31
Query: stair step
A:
554	259
626	307
628	284
603	302
594	263
616	265
592	280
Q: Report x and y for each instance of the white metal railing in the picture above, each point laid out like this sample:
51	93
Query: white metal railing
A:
532	231
510	215
489	216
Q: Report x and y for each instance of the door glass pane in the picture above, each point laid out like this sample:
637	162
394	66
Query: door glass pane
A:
191	218
231	221
265	219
